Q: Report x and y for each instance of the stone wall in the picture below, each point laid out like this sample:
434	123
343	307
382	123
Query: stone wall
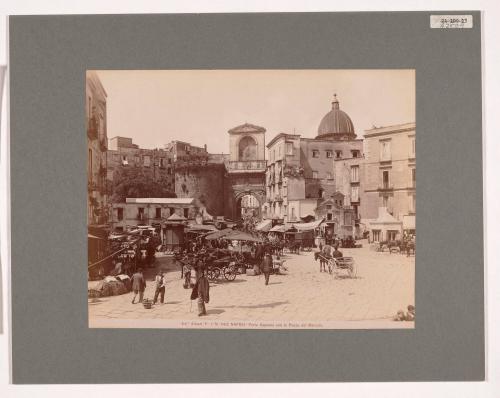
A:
205	183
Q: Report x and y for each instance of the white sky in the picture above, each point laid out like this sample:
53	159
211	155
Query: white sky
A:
200	106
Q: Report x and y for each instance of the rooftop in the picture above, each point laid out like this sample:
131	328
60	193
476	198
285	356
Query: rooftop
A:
397	128
173	201
247	128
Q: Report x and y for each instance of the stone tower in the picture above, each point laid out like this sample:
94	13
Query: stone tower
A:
245	169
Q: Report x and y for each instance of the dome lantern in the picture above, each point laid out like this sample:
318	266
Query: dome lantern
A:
336	124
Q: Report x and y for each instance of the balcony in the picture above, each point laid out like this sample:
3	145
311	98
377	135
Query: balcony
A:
278	198
386	187
241	166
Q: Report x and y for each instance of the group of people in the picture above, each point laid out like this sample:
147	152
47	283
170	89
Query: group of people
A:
139	286
195	276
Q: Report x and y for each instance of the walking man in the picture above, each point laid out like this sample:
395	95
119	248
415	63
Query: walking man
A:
138	285
160	287
201	290
267	266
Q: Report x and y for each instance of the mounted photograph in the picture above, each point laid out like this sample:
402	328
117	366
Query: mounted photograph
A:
251	199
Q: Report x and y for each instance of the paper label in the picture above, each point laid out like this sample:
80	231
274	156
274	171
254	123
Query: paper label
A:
451	21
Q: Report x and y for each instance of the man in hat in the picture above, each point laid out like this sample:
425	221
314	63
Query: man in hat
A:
201	289
160	287
267	266
138	285
337	253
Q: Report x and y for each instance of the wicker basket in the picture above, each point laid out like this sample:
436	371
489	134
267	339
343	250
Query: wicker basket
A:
147	304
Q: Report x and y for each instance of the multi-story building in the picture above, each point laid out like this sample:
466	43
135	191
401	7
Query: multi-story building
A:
150	211
228	185
95	107
388	181
302	173
184	151
156	163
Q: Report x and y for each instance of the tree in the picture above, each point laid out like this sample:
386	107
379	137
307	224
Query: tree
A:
132	182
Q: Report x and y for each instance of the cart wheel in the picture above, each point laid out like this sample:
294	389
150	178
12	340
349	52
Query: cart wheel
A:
230	273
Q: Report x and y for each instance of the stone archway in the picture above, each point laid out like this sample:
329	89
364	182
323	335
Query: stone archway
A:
248	206
248	203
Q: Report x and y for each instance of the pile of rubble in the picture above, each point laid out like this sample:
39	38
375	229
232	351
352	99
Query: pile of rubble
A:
109	286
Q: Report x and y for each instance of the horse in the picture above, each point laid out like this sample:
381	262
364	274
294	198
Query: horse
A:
325	252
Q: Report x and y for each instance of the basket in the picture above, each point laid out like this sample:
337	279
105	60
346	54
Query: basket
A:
147	304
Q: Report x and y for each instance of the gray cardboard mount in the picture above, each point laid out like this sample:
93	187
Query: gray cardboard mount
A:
51	341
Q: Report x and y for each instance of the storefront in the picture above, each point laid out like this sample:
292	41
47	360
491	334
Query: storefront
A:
385	227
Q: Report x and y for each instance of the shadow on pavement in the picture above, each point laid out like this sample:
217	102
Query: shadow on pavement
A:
223	281
215	311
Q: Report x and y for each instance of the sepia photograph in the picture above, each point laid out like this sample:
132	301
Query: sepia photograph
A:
251	199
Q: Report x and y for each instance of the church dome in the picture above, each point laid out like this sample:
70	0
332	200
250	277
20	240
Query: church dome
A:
336	124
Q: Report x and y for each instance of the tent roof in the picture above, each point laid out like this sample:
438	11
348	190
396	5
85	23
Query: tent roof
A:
203	227
277	228
218	234
176	217
264	225
385	218
307	226
238	235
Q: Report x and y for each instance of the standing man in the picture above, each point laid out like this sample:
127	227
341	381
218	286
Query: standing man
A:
259	252
267	266
160	287
201	289
138	285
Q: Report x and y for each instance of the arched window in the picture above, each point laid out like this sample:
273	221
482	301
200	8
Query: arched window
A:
247	149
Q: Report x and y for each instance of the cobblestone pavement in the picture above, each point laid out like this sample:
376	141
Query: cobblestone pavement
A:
384	284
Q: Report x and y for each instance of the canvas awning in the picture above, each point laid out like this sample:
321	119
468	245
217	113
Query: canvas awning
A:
238	235
277	228
264	225
218	234
202	227
308	226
